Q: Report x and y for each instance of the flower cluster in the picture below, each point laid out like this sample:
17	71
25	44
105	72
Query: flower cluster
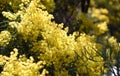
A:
99	14
49	42
90	59
20	66
5	38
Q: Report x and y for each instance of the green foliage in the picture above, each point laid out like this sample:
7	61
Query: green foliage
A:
49	4
9	5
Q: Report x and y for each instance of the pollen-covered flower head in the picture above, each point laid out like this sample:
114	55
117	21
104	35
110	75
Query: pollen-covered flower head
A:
5	37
